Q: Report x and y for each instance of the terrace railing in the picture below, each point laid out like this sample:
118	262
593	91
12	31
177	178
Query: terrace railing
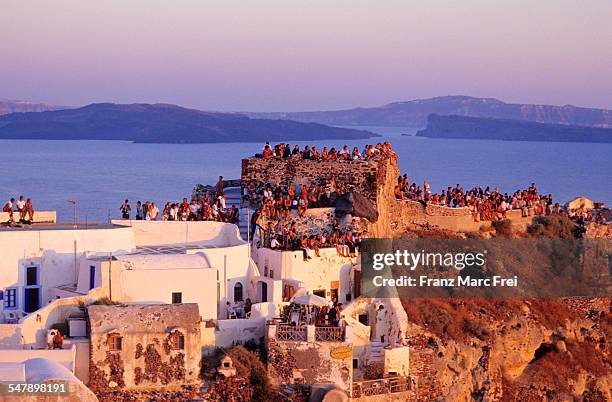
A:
382	386
329	334
291	333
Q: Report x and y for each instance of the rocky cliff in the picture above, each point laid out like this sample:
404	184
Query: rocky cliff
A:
510	350
161	123
414	113
463	127
498	349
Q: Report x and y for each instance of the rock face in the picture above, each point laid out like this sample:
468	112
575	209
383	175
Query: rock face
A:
511	349
414	113
510	130
356	205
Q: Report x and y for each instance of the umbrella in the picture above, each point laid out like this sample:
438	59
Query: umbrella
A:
311	300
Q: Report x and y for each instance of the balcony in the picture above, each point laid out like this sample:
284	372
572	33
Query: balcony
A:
383	386
308	333
291	333
329	334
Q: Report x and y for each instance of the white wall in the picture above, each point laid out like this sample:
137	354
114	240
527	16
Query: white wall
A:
315	274
53	251
39	216
396	360
65	357
156	286
151	233
242	330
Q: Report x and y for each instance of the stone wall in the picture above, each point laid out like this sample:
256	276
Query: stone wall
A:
148	358
357	176
422	366
309	363
376	180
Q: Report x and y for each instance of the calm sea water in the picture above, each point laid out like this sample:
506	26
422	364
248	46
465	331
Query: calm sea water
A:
100	174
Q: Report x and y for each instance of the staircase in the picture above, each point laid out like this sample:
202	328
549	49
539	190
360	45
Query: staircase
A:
376	350
233	198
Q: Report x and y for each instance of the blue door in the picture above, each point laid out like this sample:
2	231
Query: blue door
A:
92	276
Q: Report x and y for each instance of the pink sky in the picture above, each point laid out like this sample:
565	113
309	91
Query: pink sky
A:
279	55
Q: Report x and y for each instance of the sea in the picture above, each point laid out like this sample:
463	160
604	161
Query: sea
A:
99	175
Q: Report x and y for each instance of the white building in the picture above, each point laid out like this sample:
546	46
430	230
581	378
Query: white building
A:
330	275
48	274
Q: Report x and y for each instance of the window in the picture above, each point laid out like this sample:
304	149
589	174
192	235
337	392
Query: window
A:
238	292
10	298
177	297
32	276
114	342
177	341
271	273
355	363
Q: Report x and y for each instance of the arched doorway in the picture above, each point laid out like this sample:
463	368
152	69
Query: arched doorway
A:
262	292
238	297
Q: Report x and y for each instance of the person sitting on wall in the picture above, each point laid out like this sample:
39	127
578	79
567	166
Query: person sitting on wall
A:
302	204
350	243
313	243
286	152
29	208
276	243
8	207
296	154
51	336
267	152
20	206
303	246
307	154
58	340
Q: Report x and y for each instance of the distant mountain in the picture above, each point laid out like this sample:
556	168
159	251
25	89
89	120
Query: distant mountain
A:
510	130
21	106
161	123
414	113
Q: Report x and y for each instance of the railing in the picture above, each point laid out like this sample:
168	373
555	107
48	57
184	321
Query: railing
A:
329	334
291	333
390	385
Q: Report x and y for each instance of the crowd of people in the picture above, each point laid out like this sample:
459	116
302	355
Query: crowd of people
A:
203	209
485	203
285	151
277	201
23	208
299	314
282	233
209	206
